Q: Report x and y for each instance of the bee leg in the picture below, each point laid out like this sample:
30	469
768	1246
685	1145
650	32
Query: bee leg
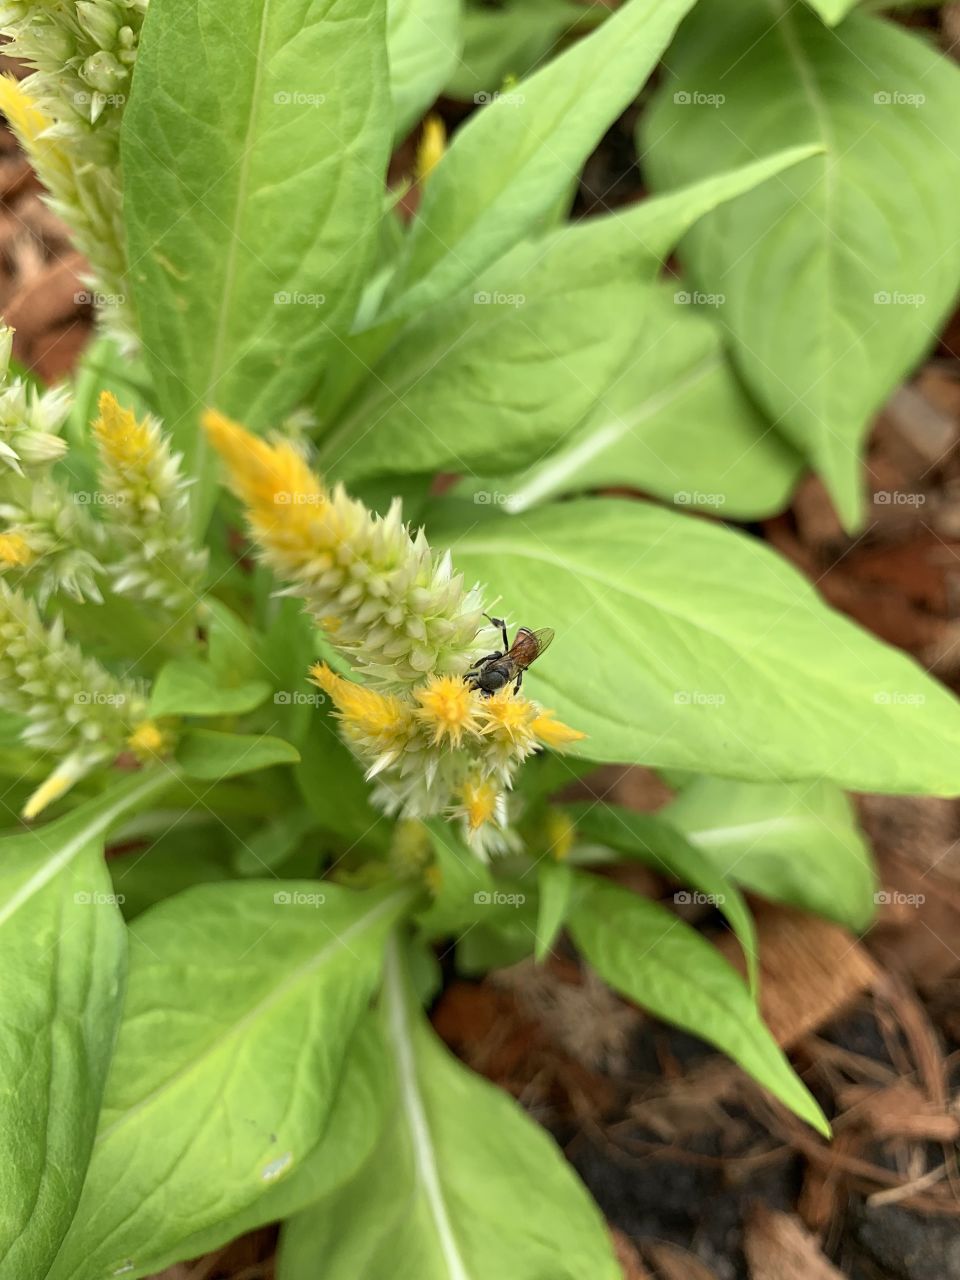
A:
482	662
516	687
499	622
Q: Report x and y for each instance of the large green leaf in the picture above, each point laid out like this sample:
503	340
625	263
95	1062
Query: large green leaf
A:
240	1004
684	644
254	149
649	838
463	1186
423	44
675	422
494	377
63	954
835	277
500	177
648	954
356	1121
489	379
794	842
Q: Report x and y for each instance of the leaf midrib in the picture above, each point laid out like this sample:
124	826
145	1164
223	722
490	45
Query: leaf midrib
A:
786	32
243	182
425	1160
604	435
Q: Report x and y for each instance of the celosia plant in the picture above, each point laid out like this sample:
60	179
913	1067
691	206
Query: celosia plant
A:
240	655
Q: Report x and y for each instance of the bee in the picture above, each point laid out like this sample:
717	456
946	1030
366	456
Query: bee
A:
497	669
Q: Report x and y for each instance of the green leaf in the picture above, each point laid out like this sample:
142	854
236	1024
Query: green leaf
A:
180	857
285	108
555	882
675	422
649	955
240	1002
63	949
832	11
463	1184
792	842
683	644
499	178
502	44
836	277
232	646
334	789
491	379
271	844
423	45
190	687
641	237
204	753
356	1120
640	835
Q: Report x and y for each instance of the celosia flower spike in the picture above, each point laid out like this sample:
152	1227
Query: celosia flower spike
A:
385	601
71	704
51	540
148	511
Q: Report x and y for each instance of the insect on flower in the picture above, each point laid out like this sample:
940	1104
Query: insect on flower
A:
497	669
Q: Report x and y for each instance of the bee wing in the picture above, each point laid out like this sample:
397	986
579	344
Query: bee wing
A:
529	645
543	639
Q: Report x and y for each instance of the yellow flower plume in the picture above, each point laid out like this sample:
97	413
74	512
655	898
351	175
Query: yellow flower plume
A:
15	551
126	442
448	708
